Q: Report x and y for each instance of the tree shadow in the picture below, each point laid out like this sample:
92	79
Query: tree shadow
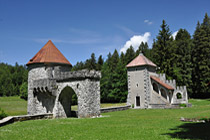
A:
193	131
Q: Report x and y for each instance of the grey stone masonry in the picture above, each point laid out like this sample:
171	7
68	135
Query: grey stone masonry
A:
50	90
148	89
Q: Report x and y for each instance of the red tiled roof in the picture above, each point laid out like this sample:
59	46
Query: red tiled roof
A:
140	60
161	82
49	54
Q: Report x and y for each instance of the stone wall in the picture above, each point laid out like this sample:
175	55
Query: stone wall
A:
46	83
136	86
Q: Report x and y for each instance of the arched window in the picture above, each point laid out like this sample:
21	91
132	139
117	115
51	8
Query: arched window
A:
179	95
163	93
155	87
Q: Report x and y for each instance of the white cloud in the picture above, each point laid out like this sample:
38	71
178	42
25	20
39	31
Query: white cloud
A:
148	22
174	34
135	41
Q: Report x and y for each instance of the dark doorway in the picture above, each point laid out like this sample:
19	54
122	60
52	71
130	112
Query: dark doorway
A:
137	101
68	98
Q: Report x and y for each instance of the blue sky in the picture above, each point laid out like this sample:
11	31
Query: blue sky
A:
80	27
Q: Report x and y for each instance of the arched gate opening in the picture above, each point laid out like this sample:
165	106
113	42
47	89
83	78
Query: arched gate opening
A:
67	99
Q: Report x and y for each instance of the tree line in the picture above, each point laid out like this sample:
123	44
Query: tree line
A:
13	80
184	58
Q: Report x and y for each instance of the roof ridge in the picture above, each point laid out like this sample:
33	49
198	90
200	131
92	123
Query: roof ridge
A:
140	60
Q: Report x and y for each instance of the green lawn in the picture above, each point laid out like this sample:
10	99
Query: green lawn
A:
13	105
146	124
16	106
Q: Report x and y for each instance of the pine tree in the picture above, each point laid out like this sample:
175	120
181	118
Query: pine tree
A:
100	63
182	64
119	84
163	50
113	61
91	63
105	82
201	58
129	55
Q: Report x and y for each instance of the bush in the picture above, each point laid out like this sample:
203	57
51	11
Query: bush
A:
182	105
2	114
24	91
132	105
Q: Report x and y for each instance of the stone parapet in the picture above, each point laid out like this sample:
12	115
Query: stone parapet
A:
82	74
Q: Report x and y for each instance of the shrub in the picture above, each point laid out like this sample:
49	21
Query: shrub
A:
132	106
24	91
2	114
182	105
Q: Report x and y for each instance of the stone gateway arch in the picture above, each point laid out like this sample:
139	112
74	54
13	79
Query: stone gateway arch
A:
51	84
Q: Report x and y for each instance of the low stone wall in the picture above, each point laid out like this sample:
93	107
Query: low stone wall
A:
178	105
157	106
12	119
112	109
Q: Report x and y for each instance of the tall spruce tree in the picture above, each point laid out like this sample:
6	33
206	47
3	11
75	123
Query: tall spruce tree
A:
100	63
201	58
182	64
129	55
91	63
163	49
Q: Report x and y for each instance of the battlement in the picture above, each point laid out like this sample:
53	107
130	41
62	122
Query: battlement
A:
172	83
48	85
82	74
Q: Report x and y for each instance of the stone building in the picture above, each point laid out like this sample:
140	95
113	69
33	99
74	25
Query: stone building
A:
147	89
51	84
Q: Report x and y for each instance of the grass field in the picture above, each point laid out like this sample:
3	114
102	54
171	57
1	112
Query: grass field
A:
16	106
13	105
151	124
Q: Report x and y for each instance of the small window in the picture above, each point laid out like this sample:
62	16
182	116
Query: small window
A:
179	96
137	85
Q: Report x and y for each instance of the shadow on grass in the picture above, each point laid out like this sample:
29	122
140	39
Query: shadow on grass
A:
191	131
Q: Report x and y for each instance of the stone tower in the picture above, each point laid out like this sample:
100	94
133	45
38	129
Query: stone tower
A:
147	89
51	85
139	71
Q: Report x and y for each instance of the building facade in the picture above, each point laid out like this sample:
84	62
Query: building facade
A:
51	84
147	89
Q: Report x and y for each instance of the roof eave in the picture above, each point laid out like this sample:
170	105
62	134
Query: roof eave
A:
140	65
46	63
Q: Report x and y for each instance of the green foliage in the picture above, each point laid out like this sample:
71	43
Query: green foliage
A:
91	63
182	105
163	51
24	91
201	58
2	114
74	99
182	61
11	78
179	96
132	106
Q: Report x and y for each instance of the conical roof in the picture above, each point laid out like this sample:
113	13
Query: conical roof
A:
141	60
49	54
